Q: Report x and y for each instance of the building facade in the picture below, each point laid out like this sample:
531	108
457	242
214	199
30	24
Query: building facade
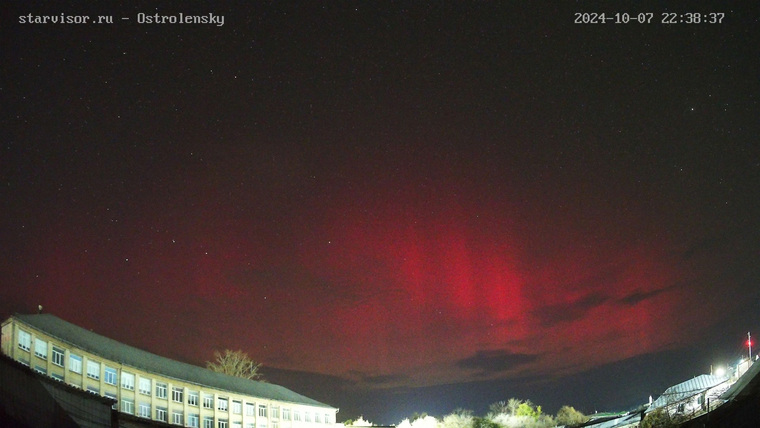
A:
154	387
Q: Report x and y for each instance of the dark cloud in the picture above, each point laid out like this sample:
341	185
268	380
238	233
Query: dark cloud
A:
639	296
551	315
495	361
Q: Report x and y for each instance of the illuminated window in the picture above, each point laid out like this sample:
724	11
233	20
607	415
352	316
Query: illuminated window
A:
110	376
40	348
145	386
58	356
192	398
221	404
177	393
286	414
276	412
93	370
75	363
161	414
317	418
177	417
208	401
127	406
24	340
307	416
143	410
237	407
250	409
128	381
296	416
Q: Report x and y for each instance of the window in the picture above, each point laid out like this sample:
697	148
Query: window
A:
128	381
110	375
286	414
143	410
297	416
275	412
262	411
127	406
193	419
250	425
275	424
208	422
237	425
24	340
177	393
112	397
223	423
40	348
93	369
317	418
307	416
40	369
237	407
161	414
192	398
58	358
177	417
75	363
263	424
161	390
221	404
250	409
57	376
327	418
144	386
93	389
208	401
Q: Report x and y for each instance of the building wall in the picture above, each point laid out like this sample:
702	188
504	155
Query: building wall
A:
241	411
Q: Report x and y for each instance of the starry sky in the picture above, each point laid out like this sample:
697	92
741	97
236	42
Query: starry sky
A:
396	207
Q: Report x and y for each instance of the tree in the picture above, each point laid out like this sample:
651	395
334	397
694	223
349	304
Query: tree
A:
567	415
526	409
235	363
513	404
499	408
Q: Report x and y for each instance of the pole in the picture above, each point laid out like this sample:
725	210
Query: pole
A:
749	345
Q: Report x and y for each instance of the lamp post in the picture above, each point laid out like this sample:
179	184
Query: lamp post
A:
749	345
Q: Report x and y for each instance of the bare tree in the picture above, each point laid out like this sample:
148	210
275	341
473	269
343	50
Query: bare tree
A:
235	363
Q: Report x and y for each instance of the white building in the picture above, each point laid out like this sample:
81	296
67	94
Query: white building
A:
154	387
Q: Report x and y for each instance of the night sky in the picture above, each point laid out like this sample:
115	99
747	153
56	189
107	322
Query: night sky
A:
396	207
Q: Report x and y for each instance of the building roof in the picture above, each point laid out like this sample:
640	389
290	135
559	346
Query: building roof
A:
687	389
116	351
745	384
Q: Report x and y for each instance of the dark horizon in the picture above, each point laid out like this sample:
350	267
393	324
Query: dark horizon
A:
396	206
